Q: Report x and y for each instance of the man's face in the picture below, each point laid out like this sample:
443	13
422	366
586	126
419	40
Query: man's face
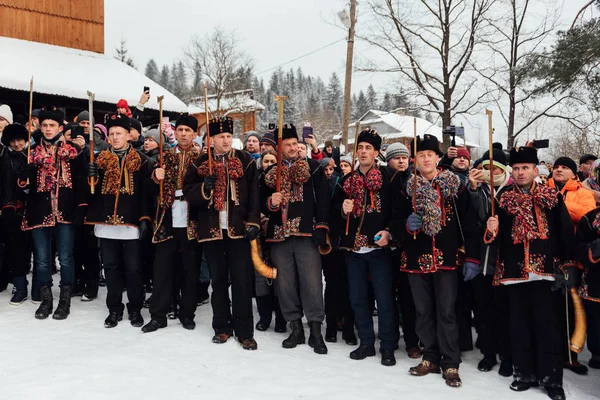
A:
328	171
134	135
523	174
586	167
302	152
427	161
50	128
117	137
265	146
399	163
366	154
17	144
562	174
345	167
86	126
222	142
3	124
289	148
461	163
253	145
185	136
150	144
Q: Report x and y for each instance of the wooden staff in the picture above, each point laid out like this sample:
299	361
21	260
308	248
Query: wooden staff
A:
352	169
91	179
160	144
206	116
491	132
279	99
414	200
30	120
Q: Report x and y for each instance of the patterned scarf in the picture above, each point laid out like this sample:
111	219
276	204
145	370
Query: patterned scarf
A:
430	198
529	220
53	165
356	187
116	172
228	165
176	165
293	179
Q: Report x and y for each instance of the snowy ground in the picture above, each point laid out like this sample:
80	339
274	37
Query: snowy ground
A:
80	359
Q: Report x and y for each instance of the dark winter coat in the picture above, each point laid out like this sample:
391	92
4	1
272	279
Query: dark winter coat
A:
588	230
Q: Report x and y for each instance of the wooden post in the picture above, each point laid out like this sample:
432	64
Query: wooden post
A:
491	132
91	180
281	100
352	169
160	144
206	116
348	81
30	120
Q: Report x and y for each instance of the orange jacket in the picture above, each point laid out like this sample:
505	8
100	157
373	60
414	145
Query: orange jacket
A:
579	200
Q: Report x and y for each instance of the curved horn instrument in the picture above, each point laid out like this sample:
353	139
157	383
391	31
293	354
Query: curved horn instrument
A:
259	265
326	248
578	337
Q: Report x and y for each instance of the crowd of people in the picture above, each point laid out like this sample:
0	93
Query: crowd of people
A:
432	244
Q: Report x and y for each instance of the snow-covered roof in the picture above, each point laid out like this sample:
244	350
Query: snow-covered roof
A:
393	126
69	72
240	101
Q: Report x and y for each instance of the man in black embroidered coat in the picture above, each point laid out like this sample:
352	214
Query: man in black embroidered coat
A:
432	235
228	218
297	226
56	204
175	227
536	243
364	197
120	212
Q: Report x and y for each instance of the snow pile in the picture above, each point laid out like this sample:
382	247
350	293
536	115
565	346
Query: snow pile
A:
69	72
80	359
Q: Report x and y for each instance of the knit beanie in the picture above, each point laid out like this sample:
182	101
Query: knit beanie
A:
462	152
566	162
6	113
395	150
543	170
153	134
268	138
136	124
249	134
347	159
83	116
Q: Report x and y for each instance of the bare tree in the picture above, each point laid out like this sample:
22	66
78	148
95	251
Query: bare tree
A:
218	58
431	45
516	32
573	142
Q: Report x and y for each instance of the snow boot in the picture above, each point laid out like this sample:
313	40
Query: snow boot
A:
264	305
90	292
556	393
64	303
113	319
363	351
296	337
506	368
387	357
315	340
20	292
136	319
487	363
154	325
46	307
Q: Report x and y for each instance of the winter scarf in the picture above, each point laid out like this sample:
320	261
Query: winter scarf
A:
52	160
224	165
293	179
356	187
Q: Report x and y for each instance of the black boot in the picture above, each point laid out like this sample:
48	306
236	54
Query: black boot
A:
315	340
296	337
113	319
556	393
387	357
520	386
264	305
77	290
46	307
202	296
154	325
64	303
363	351
331	333
506	368
280	324
136	319
487	363
90	292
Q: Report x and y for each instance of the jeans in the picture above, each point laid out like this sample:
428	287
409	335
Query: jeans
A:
378	264
64	236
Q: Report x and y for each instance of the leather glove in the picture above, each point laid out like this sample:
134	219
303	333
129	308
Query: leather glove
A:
78	217
567	281
251	232
92	170
414	222
471	270
27	172
595	248
144	229
320	236
209	182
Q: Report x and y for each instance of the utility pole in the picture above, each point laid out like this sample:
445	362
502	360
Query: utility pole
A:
349	58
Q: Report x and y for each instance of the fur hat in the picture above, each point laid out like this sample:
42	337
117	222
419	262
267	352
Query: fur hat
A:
187	120
54	115
118	120
12	132
524	155
370	136
429	142
220	125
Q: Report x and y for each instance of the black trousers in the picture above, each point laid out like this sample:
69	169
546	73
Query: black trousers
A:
231	258
490	306
464	313
592	311
175	257
122	257
538	332
337	300
435	301
17	253
404	303
86	256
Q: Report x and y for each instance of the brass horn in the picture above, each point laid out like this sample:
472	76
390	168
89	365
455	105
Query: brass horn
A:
259	265
578	337
326	248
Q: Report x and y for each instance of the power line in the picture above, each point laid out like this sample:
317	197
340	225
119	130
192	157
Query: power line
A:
302	56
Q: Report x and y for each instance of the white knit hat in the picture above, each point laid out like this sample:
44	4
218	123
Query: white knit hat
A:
6	113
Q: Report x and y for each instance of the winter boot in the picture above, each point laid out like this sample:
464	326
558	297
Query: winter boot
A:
556	393
331	332
46	306
64	303
387	357
202	295
20	293
363	351
315	340
506	368
90	292
78	287
296	337
488	362
264	304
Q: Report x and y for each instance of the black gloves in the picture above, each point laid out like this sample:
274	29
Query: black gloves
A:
320	236
144	229
78	217
252	232
595	248
567	281
209	182
27	172
92	170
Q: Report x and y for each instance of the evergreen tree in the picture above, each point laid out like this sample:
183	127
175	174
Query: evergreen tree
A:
386	104
334	94
152	70
122	54
362	105
372	98
179	81
165	78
